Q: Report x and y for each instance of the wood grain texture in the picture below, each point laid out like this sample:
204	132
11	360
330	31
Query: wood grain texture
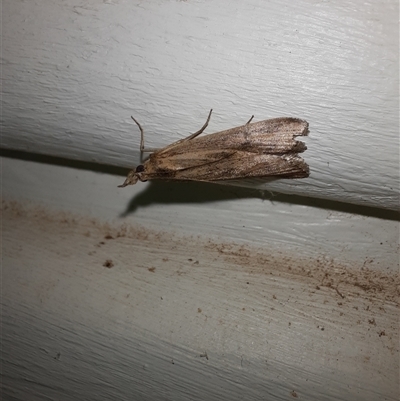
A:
74	328
73	74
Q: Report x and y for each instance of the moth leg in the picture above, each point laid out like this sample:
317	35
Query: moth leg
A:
248	122
197	133
142	149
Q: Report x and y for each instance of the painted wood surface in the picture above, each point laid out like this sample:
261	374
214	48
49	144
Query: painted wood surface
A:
74	72
112	293
109	295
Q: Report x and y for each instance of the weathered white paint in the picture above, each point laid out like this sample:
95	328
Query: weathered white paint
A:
74	72
258	298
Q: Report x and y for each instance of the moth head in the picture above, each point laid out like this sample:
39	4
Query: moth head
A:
133	176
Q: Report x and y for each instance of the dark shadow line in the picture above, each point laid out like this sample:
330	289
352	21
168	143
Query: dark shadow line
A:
63	162
193	192
179	192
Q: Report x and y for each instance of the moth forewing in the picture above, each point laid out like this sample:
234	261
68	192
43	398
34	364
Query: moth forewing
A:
191	158
275	136
266	148
246	165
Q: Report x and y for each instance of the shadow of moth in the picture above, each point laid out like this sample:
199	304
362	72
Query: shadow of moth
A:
267	148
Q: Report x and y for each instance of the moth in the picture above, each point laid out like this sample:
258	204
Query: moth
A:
266	148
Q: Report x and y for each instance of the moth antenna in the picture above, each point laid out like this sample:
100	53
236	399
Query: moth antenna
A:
197	133
248	122
141	135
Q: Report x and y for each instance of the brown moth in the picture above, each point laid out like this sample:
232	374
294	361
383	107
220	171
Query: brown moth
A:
264	149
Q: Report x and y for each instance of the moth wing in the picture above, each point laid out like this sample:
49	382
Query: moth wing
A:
274	136
246	165
190	159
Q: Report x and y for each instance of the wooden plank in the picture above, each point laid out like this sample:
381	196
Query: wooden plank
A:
77	327
70	88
